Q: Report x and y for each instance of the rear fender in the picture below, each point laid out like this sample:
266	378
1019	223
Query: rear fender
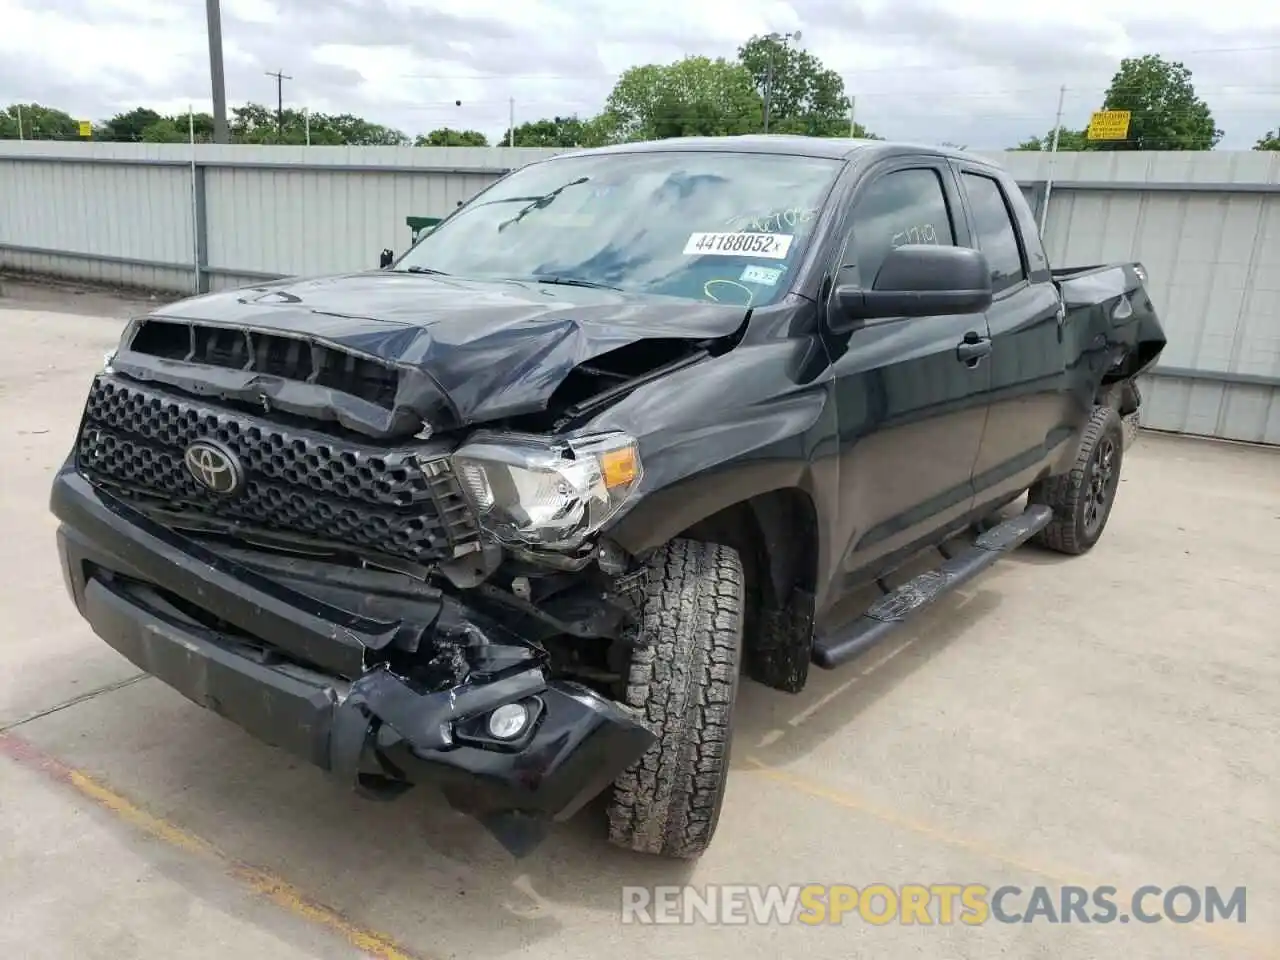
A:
1116	321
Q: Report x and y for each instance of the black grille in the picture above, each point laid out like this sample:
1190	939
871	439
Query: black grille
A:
287	357
402	503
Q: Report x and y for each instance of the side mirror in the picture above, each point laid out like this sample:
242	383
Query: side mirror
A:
386	259
917	280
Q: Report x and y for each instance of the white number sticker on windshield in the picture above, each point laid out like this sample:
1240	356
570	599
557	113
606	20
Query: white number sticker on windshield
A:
771	245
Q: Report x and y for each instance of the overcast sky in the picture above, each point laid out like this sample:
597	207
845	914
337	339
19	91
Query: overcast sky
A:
920	69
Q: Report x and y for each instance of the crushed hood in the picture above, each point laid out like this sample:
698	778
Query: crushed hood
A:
492	348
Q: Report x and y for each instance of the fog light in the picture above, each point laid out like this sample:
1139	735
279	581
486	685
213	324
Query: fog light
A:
508	721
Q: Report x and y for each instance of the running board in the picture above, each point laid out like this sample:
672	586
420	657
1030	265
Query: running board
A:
895	606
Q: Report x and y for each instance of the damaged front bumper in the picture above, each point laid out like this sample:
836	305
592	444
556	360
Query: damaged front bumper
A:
321	687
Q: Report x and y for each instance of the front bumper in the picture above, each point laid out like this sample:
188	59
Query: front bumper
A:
375	728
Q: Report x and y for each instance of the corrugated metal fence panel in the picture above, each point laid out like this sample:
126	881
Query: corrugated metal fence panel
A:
307	220
1213	261
1169	167
98	210
122	212
314	221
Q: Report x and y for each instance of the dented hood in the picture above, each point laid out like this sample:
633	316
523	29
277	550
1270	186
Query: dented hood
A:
494	348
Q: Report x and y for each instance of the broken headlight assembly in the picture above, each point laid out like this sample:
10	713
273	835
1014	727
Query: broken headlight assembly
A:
547	493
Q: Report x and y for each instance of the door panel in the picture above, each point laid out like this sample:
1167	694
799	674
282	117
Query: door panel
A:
1029	414
1030	408
911	418
910	411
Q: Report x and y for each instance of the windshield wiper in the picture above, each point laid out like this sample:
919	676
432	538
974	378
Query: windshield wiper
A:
433	270
570	281
538	202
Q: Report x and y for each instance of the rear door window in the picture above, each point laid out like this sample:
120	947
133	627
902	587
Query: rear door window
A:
996	235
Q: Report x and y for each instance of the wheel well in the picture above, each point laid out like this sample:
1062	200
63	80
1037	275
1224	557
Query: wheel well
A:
776	536
1122	395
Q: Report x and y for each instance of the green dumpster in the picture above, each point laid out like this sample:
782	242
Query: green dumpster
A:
421	225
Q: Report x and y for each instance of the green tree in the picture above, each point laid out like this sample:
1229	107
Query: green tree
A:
38	123
1165	112
1067	140
165	130
556	132
448	137
255	123
128	126
1269	141
357	132
696	96
805	97
9	123
178	129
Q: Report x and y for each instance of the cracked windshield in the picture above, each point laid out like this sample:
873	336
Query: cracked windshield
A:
700	225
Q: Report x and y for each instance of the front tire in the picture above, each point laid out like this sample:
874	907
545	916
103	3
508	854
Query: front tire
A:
683	677
1082	498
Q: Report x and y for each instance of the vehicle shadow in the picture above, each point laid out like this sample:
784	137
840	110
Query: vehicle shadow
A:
432	879
1035	556
774	728
415	870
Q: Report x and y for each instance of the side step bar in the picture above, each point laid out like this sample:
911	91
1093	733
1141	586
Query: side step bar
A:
895	606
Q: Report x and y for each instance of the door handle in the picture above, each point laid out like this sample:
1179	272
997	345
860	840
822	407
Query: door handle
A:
972	349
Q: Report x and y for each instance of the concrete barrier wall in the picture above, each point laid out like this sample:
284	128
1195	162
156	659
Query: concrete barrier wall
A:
1206	225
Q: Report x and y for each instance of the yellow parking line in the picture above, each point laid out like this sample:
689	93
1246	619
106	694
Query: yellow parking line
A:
1066	877
265	884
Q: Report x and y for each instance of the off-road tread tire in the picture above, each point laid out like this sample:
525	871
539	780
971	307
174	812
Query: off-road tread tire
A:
1065	493
683	678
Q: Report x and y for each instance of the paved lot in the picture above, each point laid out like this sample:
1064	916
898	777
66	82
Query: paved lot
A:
1105	720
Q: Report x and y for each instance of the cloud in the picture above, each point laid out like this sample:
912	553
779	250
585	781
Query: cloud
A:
986	73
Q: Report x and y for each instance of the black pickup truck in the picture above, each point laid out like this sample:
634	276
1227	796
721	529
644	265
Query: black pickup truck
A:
512	514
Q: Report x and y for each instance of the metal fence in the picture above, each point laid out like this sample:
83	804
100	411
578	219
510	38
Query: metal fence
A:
169	217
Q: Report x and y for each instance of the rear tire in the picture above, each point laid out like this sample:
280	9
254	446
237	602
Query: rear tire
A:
1082	498
683	677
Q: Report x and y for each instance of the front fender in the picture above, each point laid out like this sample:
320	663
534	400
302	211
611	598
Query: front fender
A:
719	433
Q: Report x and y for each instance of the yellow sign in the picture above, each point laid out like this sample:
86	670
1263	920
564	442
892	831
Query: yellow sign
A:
1109	125
86	128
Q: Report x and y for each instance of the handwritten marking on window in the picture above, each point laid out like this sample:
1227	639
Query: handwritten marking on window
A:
772	222
923	233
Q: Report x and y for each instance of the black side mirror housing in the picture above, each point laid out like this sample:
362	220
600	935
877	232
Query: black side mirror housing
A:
917	280
386	259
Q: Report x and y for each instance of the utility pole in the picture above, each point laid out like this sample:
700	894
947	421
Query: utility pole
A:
214	17
853	126
768	90
280	79
511	122
1053	159
19	106
768	77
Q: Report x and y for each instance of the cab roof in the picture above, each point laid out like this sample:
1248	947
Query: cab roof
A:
835	148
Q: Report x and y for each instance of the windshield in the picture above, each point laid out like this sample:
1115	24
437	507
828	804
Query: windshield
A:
726	227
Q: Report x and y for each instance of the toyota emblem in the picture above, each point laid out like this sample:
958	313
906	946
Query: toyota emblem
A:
214	467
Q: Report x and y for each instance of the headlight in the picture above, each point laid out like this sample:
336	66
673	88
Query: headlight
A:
547	493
